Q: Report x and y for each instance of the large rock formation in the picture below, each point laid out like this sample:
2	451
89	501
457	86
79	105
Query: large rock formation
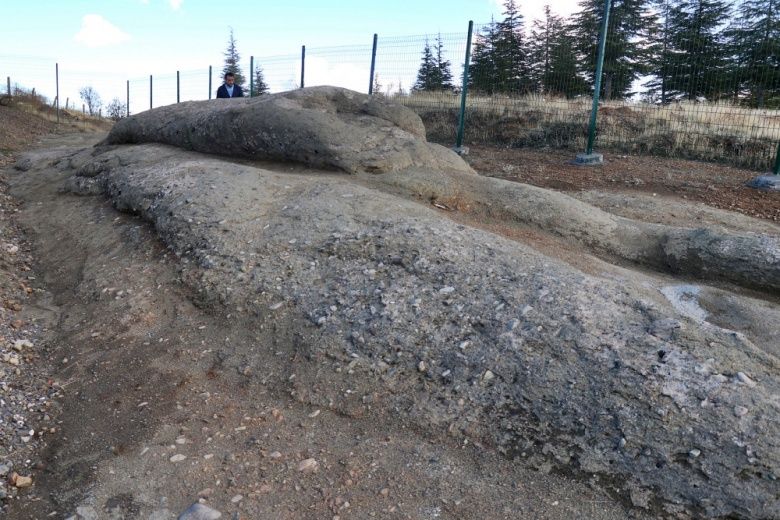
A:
327	127
456	327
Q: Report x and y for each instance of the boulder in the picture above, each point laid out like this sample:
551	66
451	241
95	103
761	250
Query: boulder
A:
325	127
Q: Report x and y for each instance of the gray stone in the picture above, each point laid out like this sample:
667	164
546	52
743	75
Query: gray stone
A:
198	511
589	159
765	182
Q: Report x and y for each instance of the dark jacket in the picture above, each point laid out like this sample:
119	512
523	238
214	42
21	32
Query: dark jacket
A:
223	93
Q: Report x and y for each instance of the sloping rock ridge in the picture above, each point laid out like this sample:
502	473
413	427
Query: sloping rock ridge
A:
326	127
467	331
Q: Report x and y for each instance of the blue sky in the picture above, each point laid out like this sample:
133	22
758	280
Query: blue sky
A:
104	43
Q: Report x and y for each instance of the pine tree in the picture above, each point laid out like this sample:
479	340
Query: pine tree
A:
627	54
697	55
509	53
434	73
426	71
443	67
755	45
232	59
482	69
260	87
657	87
552	59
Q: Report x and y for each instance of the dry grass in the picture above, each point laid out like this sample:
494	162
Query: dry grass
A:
708	131
30	103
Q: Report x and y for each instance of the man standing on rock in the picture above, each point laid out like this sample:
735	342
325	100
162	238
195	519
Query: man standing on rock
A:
229	89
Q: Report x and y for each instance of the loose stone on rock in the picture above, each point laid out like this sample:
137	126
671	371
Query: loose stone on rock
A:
198	511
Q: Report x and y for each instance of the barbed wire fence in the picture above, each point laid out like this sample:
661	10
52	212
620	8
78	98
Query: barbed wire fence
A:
537	91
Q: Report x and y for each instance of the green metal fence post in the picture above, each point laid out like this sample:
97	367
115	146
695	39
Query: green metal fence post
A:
303	62
178	90
150	91
373	66
776	169
209	81
463	93
251	76
128	98
589	157
57	79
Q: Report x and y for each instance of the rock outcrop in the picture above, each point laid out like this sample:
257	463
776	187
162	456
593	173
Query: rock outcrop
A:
326	127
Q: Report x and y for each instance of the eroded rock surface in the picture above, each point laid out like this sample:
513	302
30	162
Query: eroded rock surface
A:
511	347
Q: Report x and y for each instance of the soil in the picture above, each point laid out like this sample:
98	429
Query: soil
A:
154	409
715	185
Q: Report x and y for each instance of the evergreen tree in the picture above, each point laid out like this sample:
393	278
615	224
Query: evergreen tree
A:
443	66
657	87
755	46
627	54
232	59
260	87
482	69
425	75
434	73
696	61
509	53
552	59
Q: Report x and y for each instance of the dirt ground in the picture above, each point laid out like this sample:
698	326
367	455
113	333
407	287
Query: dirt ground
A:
152	403
716	185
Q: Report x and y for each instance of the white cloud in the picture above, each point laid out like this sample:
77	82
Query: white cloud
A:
96	31
175	4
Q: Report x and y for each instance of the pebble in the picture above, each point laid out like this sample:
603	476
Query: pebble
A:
745	379
740	411
198	511
20	344
314	414
421	366
488	375
308	466
275	455
20	481
178	457
694	453
236	499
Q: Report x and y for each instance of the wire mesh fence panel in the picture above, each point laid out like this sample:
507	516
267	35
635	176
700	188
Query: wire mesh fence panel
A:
698	80
279	73
343	66
139	95
194	85
425	73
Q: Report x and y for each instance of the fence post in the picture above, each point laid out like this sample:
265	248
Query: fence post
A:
150	91
463	93
251	76
9	84
209	81
373	66
776	169
589	157
303	62
67	101
57	81
128	98
177	86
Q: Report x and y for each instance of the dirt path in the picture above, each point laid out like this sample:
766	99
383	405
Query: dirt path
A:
162	403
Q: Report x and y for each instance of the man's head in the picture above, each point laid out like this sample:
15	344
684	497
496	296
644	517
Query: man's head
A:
230	78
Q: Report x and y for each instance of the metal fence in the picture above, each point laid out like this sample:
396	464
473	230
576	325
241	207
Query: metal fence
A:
533	85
